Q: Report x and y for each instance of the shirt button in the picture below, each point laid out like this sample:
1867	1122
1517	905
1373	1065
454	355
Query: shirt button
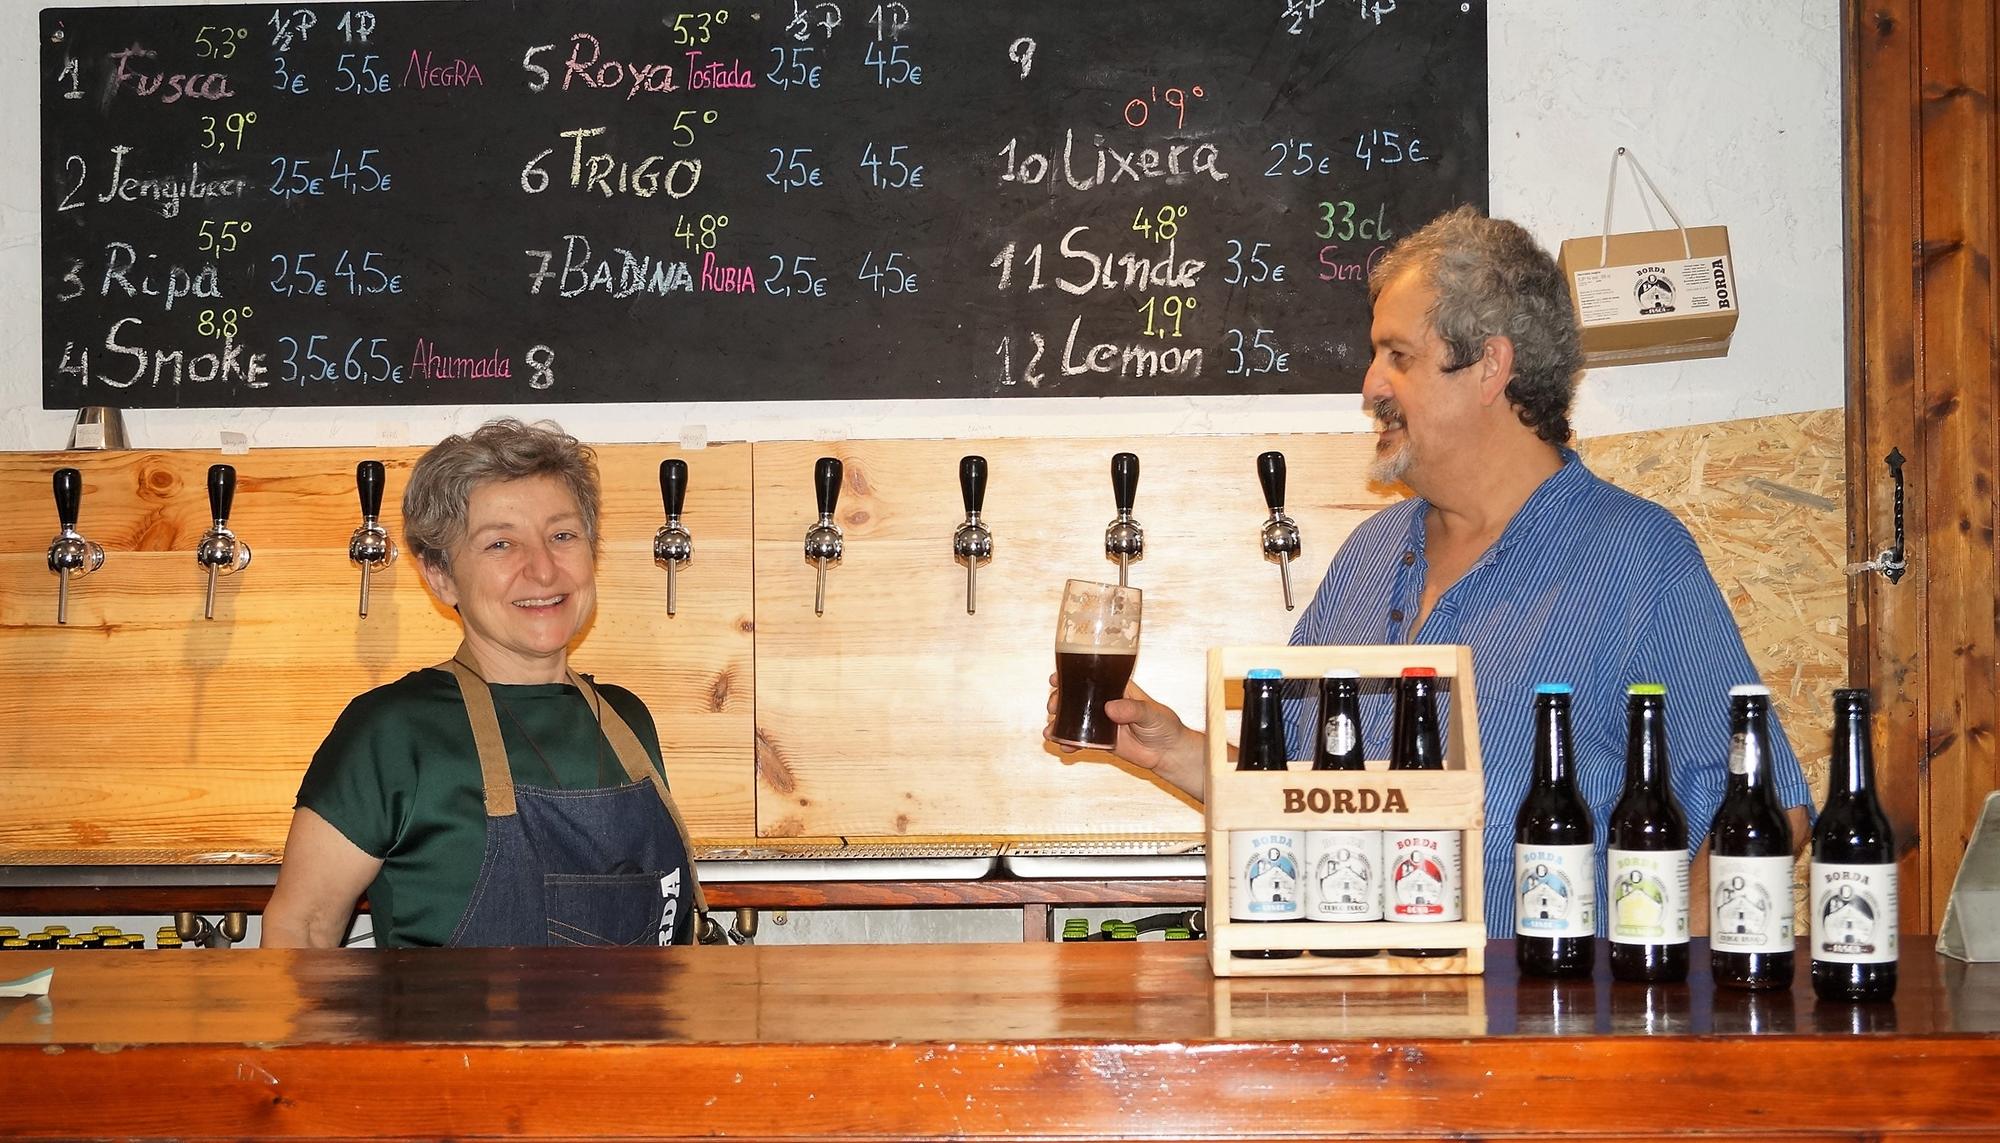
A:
1409	558
1395	615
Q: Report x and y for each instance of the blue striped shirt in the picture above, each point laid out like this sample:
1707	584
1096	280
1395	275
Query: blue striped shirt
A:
1588	585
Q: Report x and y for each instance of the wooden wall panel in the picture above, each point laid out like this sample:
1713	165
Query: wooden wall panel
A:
141	732
1924	215
896	714
1888	620
1957	118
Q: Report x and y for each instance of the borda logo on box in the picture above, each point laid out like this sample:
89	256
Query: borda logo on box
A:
1389	801
1720	270
1654	291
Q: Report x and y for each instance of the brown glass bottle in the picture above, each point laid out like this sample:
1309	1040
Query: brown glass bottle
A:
1348	860
1750	859
1853	876
1646	861
1555	867
1430	859
1265	861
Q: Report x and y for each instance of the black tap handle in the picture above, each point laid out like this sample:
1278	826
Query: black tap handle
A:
1124	480
827	474
368	480
221	489
972	482
673	485
69	496
1271	471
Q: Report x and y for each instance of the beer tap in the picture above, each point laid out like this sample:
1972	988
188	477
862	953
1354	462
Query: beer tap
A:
972	543
69	553
220	551
823	544
1281	534
672	546
1124	540
370	546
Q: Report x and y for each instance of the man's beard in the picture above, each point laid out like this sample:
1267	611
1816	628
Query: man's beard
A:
1391	467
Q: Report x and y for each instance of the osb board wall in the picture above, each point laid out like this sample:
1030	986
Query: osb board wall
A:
141	733
1767	501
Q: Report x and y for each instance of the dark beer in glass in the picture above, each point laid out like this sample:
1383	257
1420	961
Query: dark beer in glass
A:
1097	642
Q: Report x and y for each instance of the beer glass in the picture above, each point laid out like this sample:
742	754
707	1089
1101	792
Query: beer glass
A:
1097	641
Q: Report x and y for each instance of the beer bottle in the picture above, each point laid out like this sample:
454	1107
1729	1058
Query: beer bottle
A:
1337	744
1853	877
1424	882
1264	874
1750	858
1647	859
1555	862
1343	867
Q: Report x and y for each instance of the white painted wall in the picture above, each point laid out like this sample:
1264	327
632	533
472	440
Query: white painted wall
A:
1734	106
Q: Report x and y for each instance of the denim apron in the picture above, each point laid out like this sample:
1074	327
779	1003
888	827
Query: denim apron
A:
576	867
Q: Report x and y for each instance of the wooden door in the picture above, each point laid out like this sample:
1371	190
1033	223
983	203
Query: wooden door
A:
1923	213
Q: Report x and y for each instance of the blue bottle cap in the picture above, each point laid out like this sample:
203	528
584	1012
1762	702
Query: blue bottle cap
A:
1552	688
1264	673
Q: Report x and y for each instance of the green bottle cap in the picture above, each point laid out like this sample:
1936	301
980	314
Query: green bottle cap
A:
1179	935
1636	689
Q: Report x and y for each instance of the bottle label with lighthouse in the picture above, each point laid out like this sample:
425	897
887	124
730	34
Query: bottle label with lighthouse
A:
1426	875
1750	901
1649	896
1556	890
1265	882
1853	913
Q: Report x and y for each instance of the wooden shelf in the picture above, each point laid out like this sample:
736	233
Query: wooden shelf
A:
120	900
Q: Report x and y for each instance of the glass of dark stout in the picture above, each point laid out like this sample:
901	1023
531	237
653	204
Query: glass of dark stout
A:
1097	641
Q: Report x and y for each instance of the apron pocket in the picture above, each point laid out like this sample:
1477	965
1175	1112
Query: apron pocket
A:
603	908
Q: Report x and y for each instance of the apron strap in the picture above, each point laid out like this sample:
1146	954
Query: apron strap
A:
485	721
639	767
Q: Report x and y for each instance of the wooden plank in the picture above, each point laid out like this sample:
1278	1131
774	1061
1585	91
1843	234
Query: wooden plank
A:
114	901
140	728
1033	1040
1888	620
898	713
1961	380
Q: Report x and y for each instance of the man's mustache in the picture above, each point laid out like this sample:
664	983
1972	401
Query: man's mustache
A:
1388	414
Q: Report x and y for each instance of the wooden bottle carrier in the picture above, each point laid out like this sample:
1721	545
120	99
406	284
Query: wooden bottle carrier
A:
1451	799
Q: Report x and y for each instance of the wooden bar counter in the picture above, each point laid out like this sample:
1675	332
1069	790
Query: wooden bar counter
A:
1077	1041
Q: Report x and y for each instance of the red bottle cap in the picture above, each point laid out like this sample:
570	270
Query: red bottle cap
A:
1420	672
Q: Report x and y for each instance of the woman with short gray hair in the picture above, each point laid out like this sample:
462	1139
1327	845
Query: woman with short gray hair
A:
498	798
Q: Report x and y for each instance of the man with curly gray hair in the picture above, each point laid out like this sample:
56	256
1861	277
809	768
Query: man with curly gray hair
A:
1509	545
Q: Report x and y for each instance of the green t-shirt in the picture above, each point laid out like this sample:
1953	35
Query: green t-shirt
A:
399	776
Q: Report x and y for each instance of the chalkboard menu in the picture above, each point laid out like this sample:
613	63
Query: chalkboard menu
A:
627	200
